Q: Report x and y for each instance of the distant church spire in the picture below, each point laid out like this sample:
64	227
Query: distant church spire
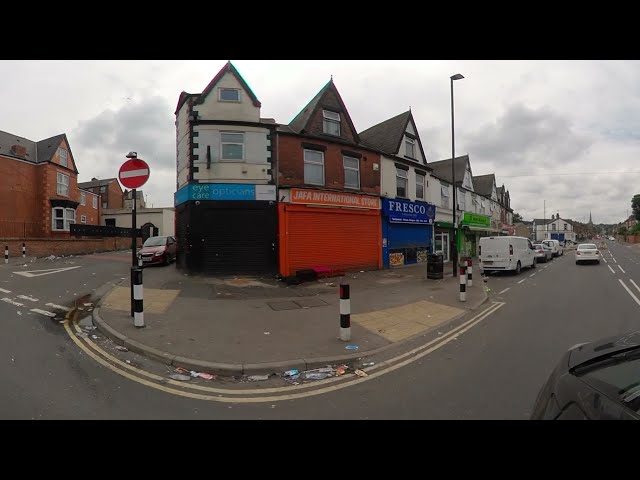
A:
590	221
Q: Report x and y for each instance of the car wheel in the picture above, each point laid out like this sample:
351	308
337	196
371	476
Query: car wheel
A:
518	268
577	262
533	265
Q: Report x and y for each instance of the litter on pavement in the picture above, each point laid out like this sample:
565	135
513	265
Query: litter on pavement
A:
257	378
316	375
121	348
180	377
352	347
360	373
291	373
369	364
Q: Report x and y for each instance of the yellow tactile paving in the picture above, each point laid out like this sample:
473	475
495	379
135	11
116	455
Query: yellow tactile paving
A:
398	323
156	300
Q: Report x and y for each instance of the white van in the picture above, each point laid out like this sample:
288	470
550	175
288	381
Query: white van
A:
556	248
506	253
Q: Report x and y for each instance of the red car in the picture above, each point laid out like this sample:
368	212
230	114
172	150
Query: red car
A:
156	250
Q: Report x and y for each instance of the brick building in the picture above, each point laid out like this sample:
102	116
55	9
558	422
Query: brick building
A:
109	190
328	191
39	192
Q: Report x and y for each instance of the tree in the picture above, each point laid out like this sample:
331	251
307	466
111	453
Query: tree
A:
517	218
635	205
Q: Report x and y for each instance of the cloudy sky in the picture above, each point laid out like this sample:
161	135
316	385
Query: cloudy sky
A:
536	124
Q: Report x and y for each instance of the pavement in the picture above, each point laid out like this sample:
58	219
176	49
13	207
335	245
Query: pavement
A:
254	326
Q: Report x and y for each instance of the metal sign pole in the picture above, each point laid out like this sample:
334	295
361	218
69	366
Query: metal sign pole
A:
134	261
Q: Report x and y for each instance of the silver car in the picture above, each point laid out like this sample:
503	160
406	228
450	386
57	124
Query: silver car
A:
543	252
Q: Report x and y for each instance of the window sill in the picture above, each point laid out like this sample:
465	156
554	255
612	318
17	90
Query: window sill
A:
351	188
229	101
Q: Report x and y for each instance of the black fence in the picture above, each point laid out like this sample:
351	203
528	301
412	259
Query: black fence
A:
82	230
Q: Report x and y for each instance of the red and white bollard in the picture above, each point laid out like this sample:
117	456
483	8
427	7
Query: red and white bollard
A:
469	273
463	283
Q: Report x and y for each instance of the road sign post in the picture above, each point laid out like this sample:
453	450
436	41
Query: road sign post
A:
133	174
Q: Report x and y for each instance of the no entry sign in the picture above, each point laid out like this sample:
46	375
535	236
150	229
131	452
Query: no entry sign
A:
134	173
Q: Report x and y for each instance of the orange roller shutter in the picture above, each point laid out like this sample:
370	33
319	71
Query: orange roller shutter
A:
340	239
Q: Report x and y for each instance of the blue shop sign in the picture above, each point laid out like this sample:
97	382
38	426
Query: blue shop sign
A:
224	191
406	211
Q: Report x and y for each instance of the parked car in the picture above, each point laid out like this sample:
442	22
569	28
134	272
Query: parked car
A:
505	253
613	239
594	381
587	252
556	248
156	250
543	252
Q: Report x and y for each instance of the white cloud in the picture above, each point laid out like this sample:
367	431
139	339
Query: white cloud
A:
512	117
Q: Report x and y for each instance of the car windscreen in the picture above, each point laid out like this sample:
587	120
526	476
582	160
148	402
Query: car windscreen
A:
587	246
620	380
155	242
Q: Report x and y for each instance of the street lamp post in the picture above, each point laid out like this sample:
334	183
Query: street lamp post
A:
454	252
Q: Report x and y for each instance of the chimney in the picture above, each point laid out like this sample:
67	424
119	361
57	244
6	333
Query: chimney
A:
19	151
94	179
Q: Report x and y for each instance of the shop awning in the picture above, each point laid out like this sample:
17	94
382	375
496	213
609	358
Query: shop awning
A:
444	224
481	229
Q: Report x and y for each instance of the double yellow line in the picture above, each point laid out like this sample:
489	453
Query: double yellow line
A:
266	394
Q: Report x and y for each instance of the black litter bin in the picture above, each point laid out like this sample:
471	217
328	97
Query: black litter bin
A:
435	266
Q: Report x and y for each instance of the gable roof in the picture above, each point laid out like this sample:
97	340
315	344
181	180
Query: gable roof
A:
483	184
96	183
36	152
387	136
300	122
228	68
442	168
8	140
500	190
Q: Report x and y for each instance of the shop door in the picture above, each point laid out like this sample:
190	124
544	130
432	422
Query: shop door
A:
442	245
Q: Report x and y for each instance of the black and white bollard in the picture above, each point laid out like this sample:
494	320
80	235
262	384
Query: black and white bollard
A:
6	254
138	310
345	313
24	250
139	261
469	273
463	284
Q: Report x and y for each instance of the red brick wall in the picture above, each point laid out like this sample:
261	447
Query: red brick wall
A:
19	191
115	195
69	246
92	214
291	164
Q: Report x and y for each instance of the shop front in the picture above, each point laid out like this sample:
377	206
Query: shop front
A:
443	240
335	231
407	231
472	227
224	228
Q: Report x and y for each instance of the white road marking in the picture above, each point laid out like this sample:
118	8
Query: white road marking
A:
614	260
612	270
629	291
48	271
522	280
43	312
27	297
500	293
4	291
59	307
531	275
12	302
621	269
634	284
605	260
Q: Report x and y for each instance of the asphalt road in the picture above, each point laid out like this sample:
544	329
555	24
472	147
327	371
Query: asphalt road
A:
491	371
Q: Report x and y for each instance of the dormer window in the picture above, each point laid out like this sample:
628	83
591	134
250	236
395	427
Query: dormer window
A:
410	147
331	123
229	95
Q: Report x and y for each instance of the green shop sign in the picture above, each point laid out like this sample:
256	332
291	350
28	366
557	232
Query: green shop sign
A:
476	220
